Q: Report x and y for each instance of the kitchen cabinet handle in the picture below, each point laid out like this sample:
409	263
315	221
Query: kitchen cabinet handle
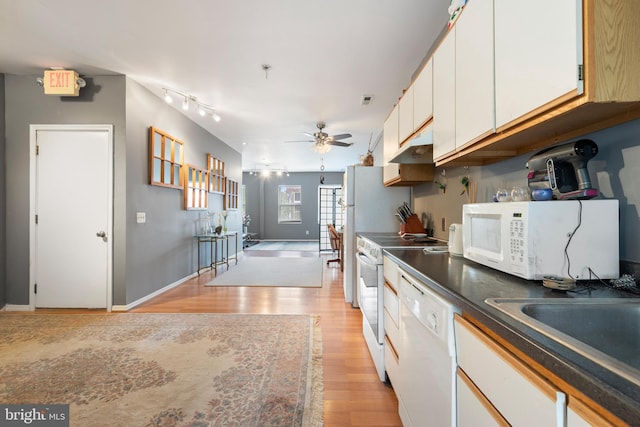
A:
363	258
409	281
417	289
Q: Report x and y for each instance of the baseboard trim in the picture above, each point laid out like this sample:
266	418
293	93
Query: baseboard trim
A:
16	307
152	295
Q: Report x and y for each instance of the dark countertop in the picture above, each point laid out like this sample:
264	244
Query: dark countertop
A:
467	284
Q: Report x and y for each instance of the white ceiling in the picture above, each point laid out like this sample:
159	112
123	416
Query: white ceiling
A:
324	56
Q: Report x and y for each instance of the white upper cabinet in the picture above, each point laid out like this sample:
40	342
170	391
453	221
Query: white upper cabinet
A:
538	47
474	90
390	135
390	145
444	96
423	96
405	115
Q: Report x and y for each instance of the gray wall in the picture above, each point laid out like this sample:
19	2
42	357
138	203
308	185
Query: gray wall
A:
102	101
148	256
262	204
615	171
3	178
162	250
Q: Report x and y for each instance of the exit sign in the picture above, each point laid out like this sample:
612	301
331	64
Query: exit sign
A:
61	82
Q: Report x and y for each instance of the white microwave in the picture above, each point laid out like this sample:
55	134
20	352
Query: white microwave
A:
577	239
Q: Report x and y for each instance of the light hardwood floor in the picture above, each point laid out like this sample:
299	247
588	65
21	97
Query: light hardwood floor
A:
353	394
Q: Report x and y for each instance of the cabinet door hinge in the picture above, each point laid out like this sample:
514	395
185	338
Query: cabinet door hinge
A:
580	72
35	288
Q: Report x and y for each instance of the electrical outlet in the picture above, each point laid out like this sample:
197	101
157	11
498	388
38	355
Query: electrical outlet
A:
141	217
444	224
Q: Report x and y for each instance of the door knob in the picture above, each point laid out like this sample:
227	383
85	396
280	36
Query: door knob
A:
102	234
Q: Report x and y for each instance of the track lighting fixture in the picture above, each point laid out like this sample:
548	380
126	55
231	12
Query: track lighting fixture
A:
266	170
167	98
202	109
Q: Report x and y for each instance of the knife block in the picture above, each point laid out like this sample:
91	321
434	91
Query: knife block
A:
413	225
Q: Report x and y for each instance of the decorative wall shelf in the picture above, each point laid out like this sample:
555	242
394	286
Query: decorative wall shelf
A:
166	159
216	174
231	195
196	183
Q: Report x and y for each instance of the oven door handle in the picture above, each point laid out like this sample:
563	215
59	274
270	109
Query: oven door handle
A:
363	258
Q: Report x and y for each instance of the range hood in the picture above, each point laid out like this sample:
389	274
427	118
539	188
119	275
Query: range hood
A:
417	150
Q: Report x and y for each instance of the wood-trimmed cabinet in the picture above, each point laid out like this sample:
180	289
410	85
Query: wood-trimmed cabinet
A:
557	82
505	389
494	387
391	318
407	119
535	64
463	94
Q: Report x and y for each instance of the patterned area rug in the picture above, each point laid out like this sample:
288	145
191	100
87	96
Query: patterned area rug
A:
166	369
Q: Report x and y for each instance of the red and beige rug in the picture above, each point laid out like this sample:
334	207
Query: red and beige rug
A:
165	369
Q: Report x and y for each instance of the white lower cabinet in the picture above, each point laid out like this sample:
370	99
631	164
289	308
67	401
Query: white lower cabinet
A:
581	415
518	394
391	319
477	411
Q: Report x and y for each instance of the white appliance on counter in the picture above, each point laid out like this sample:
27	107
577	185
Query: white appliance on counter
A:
369	206
559	238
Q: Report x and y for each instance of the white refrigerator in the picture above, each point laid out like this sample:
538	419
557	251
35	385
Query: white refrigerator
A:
369	207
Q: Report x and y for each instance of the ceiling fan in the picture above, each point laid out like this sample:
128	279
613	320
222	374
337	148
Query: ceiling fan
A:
324	141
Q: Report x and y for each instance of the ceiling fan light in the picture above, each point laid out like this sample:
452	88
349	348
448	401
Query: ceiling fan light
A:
321	148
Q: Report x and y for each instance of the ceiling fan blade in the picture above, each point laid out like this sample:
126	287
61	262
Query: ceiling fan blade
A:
340	136
310	135
339	143
303	140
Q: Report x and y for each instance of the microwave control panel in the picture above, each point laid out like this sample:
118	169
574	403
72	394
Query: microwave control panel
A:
516	241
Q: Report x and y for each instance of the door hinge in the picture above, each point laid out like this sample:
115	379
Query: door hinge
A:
36	219
580	72
35	288
37	150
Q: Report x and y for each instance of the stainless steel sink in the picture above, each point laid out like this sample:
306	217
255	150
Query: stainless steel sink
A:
606	331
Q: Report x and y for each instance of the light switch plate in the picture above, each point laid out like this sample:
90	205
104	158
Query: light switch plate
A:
141	217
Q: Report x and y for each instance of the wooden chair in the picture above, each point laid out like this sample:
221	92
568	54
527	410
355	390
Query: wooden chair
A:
336	243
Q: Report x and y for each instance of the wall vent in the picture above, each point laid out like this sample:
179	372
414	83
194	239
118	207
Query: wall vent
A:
366	99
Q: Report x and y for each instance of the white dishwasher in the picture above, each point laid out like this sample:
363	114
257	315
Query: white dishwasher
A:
427	357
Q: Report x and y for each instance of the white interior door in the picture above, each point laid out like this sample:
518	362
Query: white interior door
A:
73	182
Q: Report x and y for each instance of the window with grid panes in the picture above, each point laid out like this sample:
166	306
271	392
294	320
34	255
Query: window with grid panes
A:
289	204
329	212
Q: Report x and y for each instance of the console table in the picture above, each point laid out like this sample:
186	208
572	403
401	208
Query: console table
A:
212	240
